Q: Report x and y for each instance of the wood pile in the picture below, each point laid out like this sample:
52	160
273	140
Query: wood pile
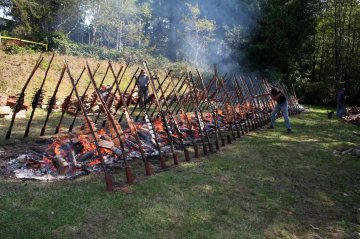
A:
73	105
8	103
350	151
93	106
353	116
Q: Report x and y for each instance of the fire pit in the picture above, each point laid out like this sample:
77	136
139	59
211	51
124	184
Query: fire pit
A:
116	131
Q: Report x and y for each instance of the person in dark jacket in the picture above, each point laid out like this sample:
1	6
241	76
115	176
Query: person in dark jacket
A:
281	105
340	102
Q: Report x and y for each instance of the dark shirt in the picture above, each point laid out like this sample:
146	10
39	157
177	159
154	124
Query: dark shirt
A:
143	81
341	98
281	99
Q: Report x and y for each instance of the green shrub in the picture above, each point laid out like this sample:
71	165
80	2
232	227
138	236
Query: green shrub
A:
62	44
12	47
4	33
318	93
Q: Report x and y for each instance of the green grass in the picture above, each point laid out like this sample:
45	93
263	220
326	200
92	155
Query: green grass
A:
267	185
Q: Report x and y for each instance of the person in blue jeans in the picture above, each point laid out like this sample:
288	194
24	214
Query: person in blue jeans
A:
281	105
340	102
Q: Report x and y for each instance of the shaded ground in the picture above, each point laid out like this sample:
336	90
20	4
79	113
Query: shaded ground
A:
268	185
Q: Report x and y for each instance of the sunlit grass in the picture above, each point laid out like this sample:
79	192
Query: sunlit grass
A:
267	185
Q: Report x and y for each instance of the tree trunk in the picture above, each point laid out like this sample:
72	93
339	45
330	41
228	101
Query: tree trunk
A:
336	42
313	68
117	38
120	36
172	44
323	58
94	35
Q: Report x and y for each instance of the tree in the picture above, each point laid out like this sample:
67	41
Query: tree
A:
37	18
116	23
196	33
281	40
336	59
165	25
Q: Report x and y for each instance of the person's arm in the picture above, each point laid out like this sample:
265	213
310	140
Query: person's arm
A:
277	96
137	82
266	94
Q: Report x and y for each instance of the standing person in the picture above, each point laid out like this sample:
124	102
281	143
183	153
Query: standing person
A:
281	105
340	102
142	84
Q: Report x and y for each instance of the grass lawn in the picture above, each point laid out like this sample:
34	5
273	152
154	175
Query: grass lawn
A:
267	185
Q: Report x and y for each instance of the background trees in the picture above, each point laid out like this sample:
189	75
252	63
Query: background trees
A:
312	45
335	61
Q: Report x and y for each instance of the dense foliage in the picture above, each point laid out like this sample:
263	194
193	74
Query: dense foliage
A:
311	45
336	58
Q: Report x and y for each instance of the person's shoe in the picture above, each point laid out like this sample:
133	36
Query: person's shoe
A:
288	131
270	127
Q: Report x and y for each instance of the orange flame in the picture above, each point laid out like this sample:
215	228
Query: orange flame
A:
220	112
102	132
94	162
57	147
158	125
46	160
85	141
105	151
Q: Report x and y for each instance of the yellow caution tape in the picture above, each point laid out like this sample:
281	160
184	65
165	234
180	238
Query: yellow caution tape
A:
26	41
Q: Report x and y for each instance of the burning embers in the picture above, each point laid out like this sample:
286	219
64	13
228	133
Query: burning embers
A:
178	115
71	155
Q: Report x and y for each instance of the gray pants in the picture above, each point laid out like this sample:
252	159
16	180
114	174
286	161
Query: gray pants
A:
143	94
285	111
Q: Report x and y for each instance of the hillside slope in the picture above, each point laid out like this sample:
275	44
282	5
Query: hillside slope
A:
14	70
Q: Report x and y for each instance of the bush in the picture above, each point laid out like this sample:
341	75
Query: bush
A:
61	43
17	47
319	93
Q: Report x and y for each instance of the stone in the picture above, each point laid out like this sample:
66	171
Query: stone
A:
106	144
5	110
20	115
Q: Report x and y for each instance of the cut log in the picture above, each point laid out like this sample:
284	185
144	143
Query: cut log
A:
12	100
61	165
3	99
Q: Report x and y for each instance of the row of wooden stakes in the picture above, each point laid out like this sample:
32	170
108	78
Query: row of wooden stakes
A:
237	104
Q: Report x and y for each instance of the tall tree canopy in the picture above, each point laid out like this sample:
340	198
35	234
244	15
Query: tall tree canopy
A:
308	44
